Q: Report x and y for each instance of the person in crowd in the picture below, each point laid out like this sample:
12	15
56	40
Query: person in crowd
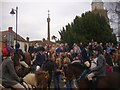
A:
17	49
109	62
39	57
66	47
50	66
90	50
31	48
119	47
57	73
9	77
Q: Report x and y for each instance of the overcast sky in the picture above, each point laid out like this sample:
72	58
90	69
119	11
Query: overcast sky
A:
32	15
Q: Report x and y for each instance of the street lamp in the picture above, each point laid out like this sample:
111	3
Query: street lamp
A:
15	11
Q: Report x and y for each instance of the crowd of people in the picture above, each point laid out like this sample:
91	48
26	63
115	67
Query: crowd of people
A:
62	54
55	58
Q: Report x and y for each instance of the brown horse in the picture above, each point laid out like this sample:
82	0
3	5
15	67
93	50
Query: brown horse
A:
27	58
42	79
116	58
116	61
20	69
76	70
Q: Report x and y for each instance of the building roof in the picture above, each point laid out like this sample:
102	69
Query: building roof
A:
19	38
43	43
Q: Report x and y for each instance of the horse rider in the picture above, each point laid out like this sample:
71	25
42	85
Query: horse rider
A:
19	51
99	70
8	75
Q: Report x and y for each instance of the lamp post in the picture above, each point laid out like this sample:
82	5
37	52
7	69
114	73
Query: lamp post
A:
15	11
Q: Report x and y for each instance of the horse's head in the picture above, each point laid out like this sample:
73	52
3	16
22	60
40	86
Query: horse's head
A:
78	66
16	59
74	70
20	69
27	58
42	74
42	78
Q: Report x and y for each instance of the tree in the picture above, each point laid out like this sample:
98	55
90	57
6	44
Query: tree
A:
114	15
89	26
54	38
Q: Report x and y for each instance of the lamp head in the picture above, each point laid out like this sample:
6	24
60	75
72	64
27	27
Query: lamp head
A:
12	12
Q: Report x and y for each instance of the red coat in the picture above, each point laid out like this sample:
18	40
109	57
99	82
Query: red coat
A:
4	51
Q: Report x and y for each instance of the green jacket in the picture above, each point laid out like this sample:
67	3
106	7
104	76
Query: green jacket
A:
8	74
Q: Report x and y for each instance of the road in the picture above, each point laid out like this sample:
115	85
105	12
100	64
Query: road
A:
62	85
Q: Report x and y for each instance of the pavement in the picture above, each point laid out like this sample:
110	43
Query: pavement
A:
63	86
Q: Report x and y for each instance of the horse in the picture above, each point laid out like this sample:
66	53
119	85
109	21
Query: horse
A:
19	68
77	70
116	58
39	79
116	61
27	58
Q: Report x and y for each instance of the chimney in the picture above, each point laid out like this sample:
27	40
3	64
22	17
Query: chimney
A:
27	38
10	29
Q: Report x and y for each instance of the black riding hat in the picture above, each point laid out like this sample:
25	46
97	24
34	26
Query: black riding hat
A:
99	49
